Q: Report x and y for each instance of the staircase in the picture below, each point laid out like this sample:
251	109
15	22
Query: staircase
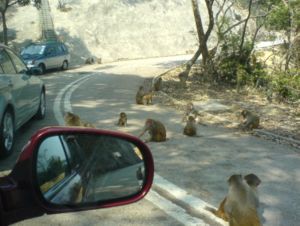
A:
46	22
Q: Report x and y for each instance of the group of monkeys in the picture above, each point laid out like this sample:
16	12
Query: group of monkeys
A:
240	205
156	129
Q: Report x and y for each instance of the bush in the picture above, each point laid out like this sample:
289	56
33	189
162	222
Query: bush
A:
286	84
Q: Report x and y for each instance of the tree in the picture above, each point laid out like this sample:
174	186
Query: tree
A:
4	5
285	16
202	36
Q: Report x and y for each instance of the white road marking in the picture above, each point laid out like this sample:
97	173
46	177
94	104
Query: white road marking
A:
164	204
58	100
182	195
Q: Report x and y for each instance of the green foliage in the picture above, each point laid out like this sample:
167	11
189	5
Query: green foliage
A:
279	18
286	84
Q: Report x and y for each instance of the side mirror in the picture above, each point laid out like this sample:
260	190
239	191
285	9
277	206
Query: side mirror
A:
66	169
35	71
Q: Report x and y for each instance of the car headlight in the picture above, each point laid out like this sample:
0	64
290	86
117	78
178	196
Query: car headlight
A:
30	61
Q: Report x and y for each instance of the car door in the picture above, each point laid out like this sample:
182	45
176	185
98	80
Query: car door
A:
31	91
16	85
50	56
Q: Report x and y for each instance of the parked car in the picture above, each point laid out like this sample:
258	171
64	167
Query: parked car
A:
46	55
58	171
22	96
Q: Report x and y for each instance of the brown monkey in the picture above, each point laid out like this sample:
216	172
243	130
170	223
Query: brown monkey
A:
241	203
251	121
157	84
156	130
183	76
147	98
253	181
139	95
72	119
190	128
123	119
190	111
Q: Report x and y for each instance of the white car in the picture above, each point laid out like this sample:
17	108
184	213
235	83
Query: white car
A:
22	96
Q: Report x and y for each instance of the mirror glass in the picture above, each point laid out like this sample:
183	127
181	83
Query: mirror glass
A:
85	168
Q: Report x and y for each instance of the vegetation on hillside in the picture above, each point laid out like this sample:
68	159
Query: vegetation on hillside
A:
234	61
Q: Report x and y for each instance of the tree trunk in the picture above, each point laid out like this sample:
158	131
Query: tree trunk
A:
200	31
245	26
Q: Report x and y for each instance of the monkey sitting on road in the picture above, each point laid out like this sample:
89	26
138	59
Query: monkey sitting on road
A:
123	119
139	95
253	181
189	110
156	130
251	121
241	203
147	98
72	119
190	128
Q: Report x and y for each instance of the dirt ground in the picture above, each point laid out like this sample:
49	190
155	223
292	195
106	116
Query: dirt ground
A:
277	118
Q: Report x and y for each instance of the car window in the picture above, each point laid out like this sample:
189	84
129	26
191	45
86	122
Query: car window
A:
6	63
34	50
50	51
20	66
52	166
60	49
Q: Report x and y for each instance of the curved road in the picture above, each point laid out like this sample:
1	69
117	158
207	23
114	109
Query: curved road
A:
188	170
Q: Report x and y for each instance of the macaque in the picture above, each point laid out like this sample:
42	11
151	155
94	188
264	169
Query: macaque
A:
123	119
157	84
253	181
139	95
190	128
189	110
156	130
90	60
183	76
147	98
72	119
241	203
251	121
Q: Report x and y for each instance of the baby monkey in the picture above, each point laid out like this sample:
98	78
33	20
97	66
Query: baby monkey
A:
190	128
251	121
123	119
72	119
156	130
147	98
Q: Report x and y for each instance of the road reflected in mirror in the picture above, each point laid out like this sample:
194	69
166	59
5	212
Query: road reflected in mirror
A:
85	168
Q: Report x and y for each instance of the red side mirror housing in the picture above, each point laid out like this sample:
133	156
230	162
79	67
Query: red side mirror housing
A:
67	169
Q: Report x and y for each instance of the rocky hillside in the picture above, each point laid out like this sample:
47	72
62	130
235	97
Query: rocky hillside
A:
113	29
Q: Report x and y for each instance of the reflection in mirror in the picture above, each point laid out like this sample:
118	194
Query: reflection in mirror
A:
84	168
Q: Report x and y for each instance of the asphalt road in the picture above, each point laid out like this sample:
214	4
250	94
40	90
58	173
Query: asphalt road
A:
190	172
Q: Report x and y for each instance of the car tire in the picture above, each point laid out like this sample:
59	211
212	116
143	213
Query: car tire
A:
7	134
40	114
65	65
42	68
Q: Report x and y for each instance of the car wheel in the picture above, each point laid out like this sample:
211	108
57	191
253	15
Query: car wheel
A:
40	114
42	68
65	65
7	132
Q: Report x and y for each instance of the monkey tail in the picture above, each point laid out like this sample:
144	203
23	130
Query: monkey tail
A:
212	210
